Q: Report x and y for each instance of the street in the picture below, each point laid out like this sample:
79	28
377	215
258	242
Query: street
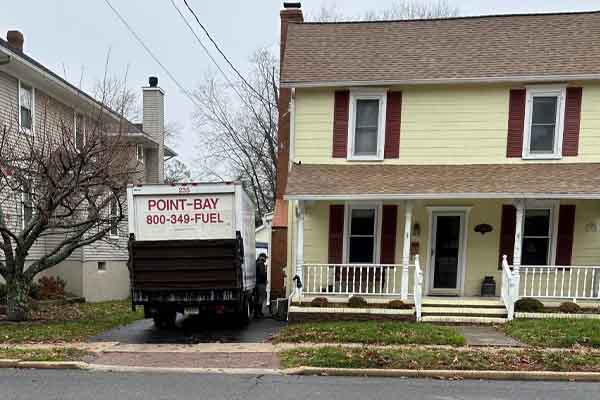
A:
67	385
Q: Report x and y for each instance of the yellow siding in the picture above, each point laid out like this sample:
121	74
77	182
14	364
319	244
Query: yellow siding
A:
481	250
440	125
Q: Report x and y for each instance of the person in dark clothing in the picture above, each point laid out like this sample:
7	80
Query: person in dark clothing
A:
261	284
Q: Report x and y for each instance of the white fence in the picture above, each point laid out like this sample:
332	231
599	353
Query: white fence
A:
548	282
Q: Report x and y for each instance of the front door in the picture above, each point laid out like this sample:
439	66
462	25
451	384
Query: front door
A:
445	267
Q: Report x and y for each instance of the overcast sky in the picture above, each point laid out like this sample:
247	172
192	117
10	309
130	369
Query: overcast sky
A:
75	35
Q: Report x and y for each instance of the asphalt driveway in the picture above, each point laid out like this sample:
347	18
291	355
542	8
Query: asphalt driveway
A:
192	330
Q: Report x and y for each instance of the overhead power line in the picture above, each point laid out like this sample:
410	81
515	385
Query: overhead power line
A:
151	53
208	35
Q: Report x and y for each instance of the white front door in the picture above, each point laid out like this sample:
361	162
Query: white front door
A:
446	257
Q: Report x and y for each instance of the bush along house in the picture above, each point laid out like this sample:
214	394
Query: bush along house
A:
34	102
436	161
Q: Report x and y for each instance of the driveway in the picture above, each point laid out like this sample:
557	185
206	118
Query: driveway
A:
192	330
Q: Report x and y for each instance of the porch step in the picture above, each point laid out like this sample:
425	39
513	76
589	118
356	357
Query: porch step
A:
463	319
465	311
462	302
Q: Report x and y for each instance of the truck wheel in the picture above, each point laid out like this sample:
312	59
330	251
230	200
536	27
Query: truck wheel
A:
165	320
245	314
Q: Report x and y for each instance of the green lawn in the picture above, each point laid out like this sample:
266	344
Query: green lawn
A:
370	332
556	332
69	323
64	354
443	359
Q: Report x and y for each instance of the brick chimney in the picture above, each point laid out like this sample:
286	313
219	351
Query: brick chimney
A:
153	123
291	13
15	40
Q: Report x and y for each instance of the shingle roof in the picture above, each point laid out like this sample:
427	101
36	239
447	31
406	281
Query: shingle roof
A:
509	47
426	181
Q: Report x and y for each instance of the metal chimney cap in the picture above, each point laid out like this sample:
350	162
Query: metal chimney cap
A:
295	4
153	81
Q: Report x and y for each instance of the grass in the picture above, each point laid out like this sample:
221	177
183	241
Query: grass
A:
562	333
69	323
63	354
505	360
370	332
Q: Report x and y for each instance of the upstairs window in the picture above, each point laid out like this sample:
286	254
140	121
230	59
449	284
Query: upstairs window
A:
544	113
366	125
114	216
27	203
26	107
139	153
79	131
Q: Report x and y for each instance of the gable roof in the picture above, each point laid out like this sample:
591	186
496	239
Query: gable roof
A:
393	181
528	47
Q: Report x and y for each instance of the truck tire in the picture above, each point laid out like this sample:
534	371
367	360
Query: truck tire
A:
245	313
165	320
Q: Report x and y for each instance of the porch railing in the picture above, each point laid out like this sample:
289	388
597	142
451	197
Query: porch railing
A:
568	282
560	282
358	279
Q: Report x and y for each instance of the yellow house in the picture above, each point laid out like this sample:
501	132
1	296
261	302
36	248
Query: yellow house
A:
432	159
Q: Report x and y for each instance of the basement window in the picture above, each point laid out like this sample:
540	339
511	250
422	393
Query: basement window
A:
101	266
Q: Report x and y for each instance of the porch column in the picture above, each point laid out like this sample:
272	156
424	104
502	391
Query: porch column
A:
520	206
408	212
300	241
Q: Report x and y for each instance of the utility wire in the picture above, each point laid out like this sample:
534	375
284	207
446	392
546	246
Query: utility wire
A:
151	53
238	73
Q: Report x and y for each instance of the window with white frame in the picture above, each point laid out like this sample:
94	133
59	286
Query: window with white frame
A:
26	203
26	107
544	113
538	231
362	235
366	127
114	217
139	153
79	131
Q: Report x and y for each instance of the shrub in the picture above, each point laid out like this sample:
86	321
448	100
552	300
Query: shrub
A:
51	288
529	304
34	291
398	305
357	302
319	302
569	307
3	293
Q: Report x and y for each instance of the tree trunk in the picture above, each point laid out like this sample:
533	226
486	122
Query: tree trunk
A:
17	299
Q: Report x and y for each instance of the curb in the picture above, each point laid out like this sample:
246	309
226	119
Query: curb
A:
450	374
7	363
226	371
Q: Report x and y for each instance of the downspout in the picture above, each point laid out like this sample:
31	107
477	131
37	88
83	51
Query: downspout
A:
292	111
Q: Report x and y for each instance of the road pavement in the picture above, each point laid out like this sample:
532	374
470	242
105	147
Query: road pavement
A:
71	385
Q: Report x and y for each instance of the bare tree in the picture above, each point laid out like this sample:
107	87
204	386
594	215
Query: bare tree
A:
238	128
399	10
176	171
59	192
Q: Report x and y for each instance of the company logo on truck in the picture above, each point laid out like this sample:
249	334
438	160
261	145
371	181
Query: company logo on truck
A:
188	211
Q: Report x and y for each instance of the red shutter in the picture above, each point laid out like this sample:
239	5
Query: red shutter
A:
336	234
507	232
392	125
388	234
564	239
340	124
516	123
570	144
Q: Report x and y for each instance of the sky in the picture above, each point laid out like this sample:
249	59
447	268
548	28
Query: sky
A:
73	38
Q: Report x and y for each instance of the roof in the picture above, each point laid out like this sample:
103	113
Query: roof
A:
487	48
135	130
385	181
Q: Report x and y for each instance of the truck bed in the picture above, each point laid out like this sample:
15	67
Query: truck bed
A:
185	265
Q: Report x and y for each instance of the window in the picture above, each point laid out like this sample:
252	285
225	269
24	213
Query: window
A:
139	153
537	246
362	228
544	113
79	131
366	125
26	107
27	203
101	266
114	217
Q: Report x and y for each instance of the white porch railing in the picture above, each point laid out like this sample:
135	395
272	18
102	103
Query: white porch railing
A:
360	279
570	282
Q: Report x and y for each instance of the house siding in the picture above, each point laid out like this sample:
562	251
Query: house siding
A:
464	124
